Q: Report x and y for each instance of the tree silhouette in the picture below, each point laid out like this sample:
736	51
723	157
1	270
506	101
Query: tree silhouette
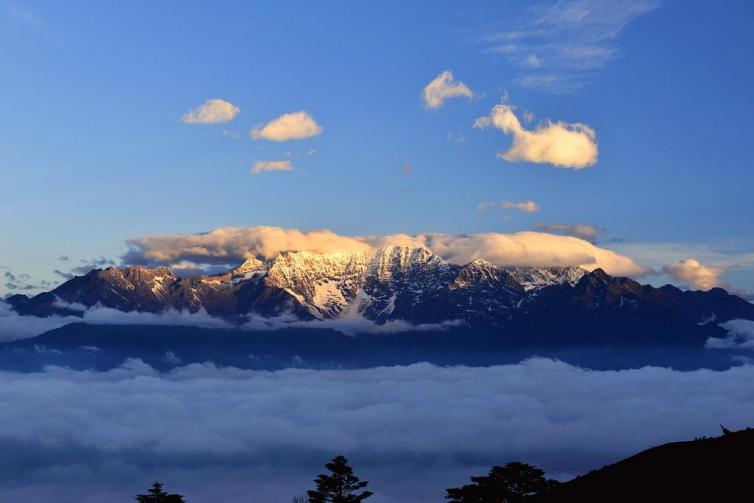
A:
157	495
340	486
511	483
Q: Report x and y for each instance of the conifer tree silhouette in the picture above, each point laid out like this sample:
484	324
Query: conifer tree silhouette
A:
511	483
155	494
340	486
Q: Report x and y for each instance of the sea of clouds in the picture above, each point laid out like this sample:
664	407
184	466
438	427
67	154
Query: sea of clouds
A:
230	435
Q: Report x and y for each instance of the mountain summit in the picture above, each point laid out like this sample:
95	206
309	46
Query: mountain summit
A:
396	283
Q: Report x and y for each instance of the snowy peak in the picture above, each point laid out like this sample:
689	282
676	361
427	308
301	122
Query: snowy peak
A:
534	278
381	284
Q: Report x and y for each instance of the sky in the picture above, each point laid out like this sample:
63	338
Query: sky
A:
626	124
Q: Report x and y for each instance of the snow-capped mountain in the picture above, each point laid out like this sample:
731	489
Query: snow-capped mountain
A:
382	284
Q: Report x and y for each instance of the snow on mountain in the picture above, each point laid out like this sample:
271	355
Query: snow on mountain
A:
380	284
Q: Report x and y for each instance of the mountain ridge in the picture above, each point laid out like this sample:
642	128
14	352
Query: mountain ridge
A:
391	283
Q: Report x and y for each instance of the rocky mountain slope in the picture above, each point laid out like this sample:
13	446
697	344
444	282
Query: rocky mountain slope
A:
390	283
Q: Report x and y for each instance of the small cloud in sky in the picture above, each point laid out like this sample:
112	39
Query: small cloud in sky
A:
84	266
457	138
558	143
525	206
23	282
260	166
233	135
583	231
442	88
558	47
212	111
696	275
291	126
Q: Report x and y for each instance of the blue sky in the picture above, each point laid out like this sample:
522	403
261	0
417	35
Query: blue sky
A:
93	151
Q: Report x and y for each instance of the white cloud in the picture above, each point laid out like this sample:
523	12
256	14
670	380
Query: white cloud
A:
558	143
231	435
15	327
271	166
740	336
232	245
696	275
212	111
442	88
525	206
560	46
291	126
583	231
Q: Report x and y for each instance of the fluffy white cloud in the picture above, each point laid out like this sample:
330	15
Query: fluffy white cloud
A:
292	126
444	87
583	231
231	435
260	166
211	112
525	206
696	275
232	245
558	143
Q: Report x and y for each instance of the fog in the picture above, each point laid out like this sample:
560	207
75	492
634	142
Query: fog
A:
229	435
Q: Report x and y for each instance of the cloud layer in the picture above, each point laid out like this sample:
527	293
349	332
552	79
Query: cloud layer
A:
15	327
223	434
211	112
558	143
292	126
583	231
233	245
696	275
260	166
442	88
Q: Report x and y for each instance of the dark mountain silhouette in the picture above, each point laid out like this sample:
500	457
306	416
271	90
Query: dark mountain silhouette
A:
707	469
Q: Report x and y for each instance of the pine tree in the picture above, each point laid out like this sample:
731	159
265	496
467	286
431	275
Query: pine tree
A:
340	486
511	483
157	495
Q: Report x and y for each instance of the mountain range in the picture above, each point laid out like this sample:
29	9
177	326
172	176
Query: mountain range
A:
398	283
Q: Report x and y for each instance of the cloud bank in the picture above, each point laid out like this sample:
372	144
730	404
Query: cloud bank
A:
15	327
224	434
695	274
582	231
558	143
260	166
211	112
442	88
292	126
232	245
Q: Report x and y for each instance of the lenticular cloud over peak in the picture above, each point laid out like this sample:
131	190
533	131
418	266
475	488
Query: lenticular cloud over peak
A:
233	245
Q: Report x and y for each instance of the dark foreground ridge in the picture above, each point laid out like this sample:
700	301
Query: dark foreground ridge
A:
706	469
